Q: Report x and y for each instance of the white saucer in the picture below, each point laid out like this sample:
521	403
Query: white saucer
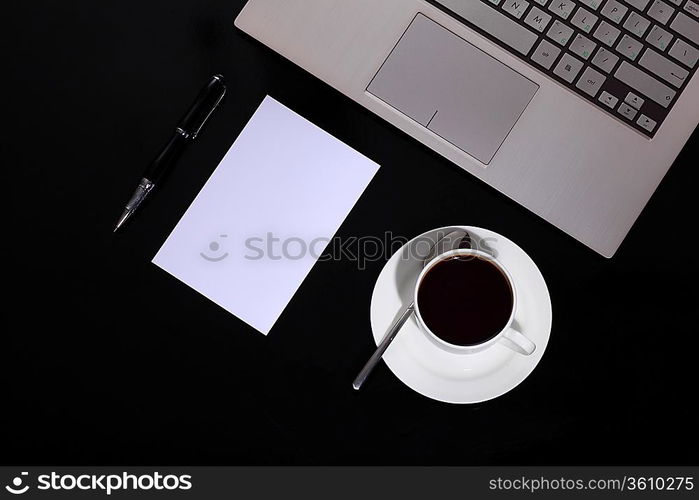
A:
454	377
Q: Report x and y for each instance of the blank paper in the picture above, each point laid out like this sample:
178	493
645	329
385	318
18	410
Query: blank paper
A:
257	227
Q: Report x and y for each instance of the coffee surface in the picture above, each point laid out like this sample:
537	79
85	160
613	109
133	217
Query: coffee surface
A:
465	301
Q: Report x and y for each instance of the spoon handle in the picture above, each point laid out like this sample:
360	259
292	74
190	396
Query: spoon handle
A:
381	348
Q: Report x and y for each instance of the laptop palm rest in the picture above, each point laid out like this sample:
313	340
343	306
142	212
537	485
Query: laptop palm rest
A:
454	89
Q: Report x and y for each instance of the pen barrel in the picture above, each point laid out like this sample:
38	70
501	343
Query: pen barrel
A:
204	105
158	167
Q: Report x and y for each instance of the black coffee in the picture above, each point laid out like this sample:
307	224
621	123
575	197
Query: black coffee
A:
465	300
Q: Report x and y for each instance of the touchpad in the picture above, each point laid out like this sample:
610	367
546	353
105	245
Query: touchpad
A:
454	89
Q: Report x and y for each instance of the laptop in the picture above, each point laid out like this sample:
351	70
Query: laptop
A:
574	109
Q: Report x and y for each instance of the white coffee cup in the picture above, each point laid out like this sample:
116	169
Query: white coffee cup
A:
508	336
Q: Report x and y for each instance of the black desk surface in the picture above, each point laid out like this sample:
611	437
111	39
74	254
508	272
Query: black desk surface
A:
110	360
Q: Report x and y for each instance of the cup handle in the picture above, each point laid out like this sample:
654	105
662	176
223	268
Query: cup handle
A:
518	342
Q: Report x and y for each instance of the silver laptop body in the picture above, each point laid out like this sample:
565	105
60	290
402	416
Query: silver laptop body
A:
574	109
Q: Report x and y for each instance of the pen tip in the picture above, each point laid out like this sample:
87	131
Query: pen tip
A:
124	216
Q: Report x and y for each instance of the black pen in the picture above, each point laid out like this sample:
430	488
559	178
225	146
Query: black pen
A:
207	101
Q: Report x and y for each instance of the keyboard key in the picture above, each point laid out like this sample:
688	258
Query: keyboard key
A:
495	2
685	26
645	84
582	46
584	20
633	100
659	38
676	2
664	68
639	4
560	33
537	19
515	7
637	24
593	4
568	67
607	34
614	10
541	2
629	47
660	11
684	53
591	81
646	123
627	111
692	8
605	60
562	8
608	100
545	54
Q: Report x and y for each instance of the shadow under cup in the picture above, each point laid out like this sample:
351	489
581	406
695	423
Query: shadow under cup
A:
465	299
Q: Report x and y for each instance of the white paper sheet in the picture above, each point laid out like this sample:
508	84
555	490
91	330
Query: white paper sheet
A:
285	184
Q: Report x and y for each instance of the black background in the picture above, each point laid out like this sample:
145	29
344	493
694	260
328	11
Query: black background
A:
109	360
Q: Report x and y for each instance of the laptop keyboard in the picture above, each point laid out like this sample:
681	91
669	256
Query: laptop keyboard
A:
631	58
